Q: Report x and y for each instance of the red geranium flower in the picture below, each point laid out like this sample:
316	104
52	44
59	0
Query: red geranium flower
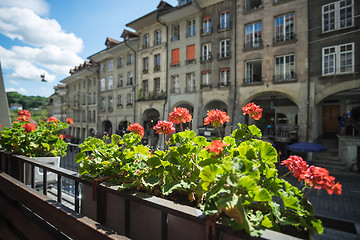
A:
253	110
337	188
319	178
61	136
29	127
217	146
52	119
137	129
70	121
0	125
164	127
22	118
216	118
24	113
297	165
180	115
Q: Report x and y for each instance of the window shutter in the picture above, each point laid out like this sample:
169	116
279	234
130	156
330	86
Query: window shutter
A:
175	60
190	52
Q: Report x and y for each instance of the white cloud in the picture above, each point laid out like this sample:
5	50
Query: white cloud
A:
10	90
38	6
12	82
47	48
19	90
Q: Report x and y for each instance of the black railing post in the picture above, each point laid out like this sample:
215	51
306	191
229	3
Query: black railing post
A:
164	226
77	197
44	181
59	186
127	217
32	176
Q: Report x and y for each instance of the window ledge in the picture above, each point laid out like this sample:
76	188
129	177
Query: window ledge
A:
250	11
337	31
281	2
338	75
285	81
249	49
282	43
252	84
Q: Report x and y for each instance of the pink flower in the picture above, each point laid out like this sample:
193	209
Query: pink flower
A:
29	127
253	110
137	129
217	146
52	119
180	115
164	127
216	118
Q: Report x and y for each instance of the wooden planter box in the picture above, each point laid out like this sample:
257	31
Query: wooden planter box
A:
140	216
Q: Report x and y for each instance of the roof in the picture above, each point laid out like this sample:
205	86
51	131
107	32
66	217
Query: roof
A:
128	34
110	42
86	64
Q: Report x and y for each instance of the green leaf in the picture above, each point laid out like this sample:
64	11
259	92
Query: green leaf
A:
255	131
115	139
290	202
239	133
210	161
318	226
154	161
268	152
266	222
46	145
170	187
262	195
151	181
208	175
248	183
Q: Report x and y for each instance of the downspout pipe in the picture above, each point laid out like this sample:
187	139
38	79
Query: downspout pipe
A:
235	74
135	74
167	65
308	80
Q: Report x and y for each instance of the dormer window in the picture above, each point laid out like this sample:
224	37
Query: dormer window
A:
184	2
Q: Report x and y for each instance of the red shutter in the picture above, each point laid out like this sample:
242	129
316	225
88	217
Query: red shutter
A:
190	52
175	57
206	18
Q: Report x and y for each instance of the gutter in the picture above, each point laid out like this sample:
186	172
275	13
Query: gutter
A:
167	65
235	75
135	71
308	81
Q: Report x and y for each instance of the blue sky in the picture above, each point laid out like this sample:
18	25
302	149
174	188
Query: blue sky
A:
50	37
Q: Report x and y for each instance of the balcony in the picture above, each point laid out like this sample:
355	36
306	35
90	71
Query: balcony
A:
253	80
157	68
251	5
284	38
190	61
205	86
145	71
206	58
224	55
145	45
129	105
257	43
223	84
288	77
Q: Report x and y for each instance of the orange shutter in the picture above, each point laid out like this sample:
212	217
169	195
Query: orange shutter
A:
190	52
206	18
175	57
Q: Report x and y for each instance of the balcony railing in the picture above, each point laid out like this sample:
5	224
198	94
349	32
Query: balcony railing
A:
205	85
284	77
252	80
145	45
157	68
224	55
206	58
190	61
284	38
253	44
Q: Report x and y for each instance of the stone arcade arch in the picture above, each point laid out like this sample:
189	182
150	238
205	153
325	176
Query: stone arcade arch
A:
189	107
106	127
151	117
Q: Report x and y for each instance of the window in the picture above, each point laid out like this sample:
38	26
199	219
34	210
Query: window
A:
190	82
175	33
184	2
224	49
102	67
157	62
157	37
130	79
102	107
252	4
120	62
206	52
145	65
89	98
110	65
224	20
119	101
284	28
156	86
206	25
253	35
175	57
285	68
253	71
146	41
175	87
120	81
190	28
338	59
102	84
190	54
224	77
111	104
129	99
94	98
145	88
337	15
110	82
130	59
206	79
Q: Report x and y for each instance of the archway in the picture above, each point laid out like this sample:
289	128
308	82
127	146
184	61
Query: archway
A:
107	127
151	117
123	127
92	132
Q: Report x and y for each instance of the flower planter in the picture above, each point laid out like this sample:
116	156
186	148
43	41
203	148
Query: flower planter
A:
151	217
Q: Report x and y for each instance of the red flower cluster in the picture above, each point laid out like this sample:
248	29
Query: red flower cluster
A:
70	121
296	164
22	118
25	113
52	119
61	136
180	115
316	177
216	118
253	110
217	146
29	127
164	127
137	129
0	125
